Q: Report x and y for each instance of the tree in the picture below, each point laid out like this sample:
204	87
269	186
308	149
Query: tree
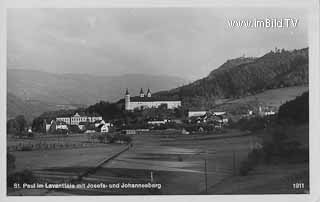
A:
296	110
38	125
10	162
17	125
22	123
12	126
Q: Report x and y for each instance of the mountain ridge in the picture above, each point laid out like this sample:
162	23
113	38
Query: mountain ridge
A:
246	76
82	88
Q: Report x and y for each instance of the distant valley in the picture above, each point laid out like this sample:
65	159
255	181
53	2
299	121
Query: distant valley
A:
47	91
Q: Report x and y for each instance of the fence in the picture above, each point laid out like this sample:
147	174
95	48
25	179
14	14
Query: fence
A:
50	146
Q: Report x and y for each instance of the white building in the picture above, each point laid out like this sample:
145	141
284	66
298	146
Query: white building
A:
196	113
105	128
61	125
147	101
81	127
219	113
90	131
64	119
76	119
98	123
158	122
266	111
269	113
48	126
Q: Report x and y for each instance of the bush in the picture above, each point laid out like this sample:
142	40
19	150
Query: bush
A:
102	138
31	135
26	148
255	157
296	110
245	167
74	129
61	131
123	138
23	135
10	162
253	124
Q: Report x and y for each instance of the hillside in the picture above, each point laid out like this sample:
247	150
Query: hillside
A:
30	109
76	89
16	106
271	97
246	76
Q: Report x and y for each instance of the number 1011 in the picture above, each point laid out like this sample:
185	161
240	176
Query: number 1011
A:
298	185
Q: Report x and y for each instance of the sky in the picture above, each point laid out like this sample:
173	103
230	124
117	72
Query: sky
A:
184	42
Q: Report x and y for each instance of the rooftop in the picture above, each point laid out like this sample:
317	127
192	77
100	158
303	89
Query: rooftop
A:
151	99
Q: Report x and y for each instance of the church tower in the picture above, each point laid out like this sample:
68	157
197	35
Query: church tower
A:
127	100
141	93
149	93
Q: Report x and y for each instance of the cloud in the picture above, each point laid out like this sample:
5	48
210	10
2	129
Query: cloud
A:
186	42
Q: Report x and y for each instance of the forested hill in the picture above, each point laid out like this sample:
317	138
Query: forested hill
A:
246	76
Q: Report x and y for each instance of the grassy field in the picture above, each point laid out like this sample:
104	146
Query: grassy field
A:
52	142
50	139
273	97
176	162
57	159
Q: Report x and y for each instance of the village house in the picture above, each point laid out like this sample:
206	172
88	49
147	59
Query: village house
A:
104	128
100	123
200	113
217	118
47	125
266	111
56	125
157	122
60	125
196	113
82	126
90	131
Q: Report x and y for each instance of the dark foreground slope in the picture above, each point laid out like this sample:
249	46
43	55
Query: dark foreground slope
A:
281	164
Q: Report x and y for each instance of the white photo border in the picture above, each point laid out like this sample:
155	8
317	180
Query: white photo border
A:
314	76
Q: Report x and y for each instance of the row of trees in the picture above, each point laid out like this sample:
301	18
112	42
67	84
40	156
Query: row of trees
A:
17	125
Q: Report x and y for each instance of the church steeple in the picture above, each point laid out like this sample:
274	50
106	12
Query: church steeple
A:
149	93
127	100
141	93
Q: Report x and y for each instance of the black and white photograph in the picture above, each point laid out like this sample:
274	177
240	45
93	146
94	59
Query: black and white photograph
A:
175	100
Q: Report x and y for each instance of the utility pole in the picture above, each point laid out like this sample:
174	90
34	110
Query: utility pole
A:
234	162
151	176
205	175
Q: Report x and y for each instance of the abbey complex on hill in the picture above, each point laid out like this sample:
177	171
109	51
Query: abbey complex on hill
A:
147	101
